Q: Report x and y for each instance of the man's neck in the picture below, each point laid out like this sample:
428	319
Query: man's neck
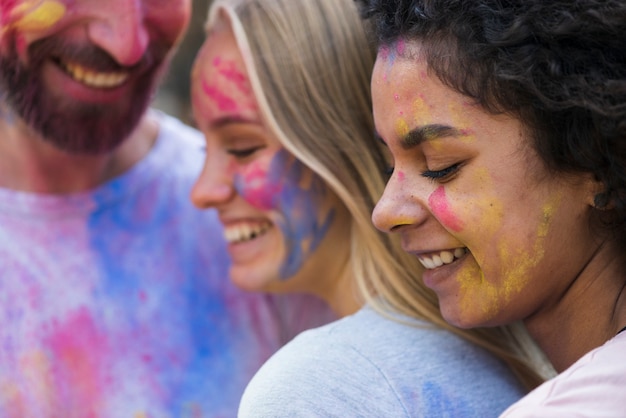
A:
27	163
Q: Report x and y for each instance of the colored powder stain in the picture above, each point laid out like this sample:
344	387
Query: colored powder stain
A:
232	74
78	351
36	367
517	274
258	188
472	283
12	400
224	102
421	111
440	206
388	55
402	128
514	271
400	47
459	119
383	52
43	16
400	176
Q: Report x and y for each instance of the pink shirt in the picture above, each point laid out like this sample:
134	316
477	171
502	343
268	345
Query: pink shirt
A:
594	386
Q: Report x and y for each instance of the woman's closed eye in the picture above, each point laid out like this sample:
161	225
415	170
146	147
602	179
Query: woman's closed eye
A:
241	153
443	174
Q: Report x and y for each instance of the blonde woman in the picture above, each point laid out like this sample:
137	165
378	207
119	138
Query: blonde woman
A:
281	91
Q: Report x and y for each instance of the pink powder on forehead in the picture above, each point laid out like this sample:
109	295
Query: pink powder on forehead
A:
440	206
224	102
400	46
230	72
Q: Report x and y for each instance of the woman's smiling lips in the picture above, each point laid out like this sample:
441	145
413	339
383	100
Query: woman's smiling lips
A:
236	232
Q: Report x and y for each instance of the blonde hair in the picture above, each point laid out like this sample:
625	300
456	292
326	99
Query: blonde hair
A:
309	64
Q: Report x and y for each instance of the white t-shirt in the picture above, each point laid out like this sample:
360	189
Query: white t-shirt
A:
367	365
116	302
594	386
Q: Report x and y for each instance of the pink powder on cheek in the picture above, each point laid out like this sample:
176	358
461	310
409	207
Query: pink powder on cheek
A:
400	176
440	206
256	188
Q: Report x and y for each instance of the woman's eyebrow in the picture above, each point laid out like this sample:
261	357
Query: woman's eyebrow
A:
428	133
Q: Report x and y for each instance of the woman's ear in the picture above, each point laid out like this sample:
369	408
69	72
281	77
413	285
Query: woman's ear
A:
598	195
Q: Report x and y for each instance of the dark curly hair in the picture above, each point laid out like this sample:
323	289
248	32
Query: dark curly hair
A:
557	65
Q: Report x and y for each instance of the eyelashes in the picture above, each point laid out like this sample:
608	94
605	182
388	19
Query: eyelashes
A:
243	153
435	175
441	174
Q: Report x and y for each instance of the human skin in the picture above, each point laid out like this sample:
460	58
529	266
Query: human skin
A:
501	238
279	216
72	68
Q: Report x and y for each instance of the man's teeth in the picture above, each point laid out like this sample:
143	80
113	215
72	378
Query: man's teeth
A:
444	257
93	78
244	232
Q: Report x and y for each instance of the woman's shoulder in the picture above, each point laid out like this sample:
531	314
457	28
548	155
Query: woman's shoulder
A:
593	386
380	366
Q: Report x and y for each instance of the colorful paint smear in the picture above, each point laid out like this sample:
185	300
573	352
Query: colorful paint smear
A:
516	265
286	185
442	209
117	303
31	15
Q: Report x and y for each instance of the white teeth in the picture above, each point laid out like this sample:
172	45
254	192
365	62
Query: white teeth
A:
94	79
444	257
447	257
244	231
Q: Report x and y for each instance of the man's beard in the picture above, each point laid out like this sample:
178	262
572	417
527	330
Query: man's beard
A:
70	125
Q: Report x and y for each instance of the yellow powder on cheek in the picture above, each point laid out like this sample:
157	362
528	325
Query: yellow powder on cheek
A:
488	216
517	275
477	293
43	16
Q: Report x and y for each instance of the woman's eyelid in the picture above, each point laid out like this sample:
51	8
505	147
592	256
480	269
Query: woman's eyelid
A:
242	152
442	174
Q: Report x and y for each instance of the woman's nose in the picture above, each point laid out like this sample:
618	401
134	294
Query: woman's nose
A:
398	206
213	187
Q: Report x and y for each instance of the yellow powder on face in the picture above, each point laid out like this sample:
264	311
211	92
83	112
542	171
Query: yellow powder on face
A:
41	17
515	273
517	262
421	112
518	276
402	128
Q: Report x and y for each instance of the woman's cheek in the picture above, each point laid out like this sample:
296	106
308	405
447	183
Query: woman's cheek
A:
444	211
262	182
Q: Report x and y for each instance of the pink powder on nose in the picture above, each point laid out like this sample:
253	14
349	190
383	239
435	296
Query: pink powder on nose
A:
440	206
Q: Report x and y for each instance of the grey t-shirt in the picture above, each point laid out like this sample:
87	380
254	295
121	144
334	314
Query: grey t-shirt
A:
367	365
